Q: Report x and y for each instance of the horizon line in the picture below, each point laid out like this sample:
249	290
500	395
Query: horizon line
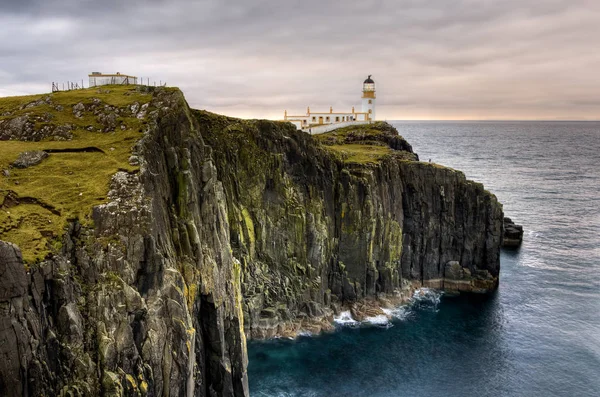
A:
497	120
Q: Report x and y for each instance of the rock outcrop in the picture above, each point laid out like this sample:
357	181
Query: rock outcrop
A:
230	229
28	159
512	234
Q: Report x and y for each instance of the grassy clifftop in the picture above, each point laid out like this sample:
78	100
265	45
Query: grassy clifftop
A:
366	143
88	135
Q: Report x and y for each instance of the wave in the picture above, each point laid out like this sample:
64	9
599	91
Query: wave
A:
423	299
426	298
345	319
381	320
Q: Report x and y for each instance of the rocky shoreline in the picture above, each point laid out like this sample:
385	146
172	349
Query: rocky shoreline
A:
272	328
323	320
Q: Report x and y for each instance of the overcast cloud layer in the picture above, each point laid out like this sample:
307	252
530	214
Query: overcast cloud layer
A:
435	59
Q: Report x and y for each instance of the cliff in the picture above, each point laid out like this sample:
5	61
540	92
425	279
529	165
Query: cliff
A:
153	238
138	295
321	222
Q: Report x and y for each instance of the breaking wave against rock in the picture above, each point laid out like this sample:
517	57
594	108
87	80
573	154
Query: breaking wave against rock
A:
426	298
345	319
423	299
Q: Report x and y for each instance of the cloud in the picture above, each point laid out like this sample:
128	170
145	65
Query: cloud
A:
434	59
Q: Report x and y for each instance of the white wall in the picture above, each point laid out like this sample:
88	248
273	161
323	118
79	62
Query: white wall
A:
331	116
366	106
330	127
104	80
297	123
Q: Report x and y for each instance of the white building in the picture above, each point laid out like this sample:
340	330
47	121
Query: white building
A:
97	78
315	122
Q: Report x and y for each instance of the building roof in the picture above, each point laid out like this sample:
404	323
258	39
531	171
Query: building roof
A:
369	80
98	74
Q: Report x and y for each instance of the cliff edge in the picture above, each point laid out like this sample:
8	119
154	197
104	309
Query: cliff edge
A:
150	239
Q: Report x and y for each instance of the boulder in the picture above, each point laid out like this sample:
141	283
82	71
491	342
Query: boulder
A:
78	110
453	271
513	234
31	158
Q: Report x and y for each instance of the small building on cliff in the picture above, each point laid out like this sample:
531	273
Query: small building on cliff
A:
320	122
97	78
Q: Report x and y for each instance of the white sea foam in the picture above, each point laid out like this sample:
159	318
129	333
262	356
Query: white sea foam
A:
380	320
345	319
426	298
427	295
398	313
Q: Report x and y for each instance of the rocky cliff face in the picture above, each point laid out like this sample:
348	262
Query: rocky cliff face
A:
233	228
314	230
144	302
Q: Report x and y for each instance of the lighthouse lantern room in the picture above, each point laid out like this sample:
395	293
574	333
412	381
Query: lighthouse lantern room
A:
368	98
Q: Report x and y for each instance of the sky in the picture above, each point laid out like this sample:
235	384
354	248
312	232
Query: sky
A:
434	59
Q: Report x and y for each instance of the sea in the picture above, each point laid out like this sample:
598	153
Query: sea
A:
538	335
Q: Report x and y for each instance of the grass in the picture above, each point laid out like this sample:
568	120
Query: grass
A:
360	154
357	144
117	96
339	135
65	185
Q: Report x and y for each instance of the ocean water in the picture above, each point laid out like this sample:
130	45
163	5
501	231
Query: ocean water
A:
538	335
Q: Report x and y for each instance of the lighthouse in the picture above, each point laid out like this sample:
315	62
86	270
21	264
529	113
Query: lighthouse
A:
368	98
319	122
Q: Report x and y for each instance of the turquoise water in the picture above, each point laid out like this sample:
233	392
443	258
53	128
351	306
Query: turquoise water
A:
538	335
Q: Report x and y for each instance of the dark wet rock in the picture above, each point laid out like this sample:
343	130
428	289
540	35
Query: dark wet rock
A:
13	281
28	159
513	234
15	328
453	271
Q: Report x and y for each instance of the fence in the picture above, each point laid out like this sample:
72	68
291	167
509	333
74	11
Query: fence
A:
71	85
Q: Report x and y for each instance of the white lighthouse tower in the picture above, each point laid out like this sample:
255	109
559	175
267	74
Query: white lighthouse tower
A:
368	98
